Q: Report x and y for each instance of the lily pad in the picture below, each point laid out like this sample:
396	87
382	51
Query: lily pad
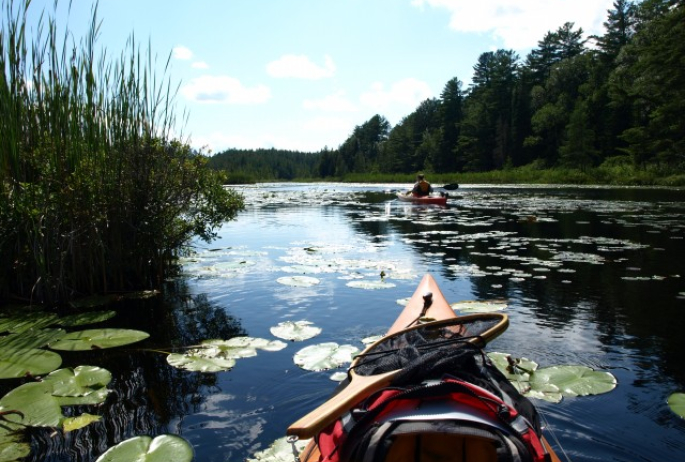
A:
16	363
520	370
78	382
295	330
243	347
298	281
324	356
198	363
677	403
92	339
220	355
474	306
279	451
74	423
22	322
164	448
90	317
574	380
12	446
370	285
38	339
35	401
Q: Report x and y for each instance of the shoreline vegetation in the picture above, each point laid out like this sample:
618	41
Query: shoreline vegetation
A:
96	195
616	174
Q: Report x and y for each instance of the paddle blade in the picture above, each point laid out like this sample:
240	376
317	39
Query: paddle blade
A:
451	187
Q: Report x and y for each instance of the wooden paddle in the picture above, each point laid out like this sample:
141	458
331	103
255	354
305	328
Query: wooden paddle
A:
361	386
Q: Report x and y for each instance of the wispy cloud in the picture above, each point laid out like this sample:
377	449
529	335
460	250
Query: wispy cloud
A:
224	89
200	65
300	67
520	24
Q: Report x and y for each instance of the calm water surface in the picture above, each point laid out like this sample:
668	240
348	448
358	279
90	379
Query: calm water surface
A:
591	276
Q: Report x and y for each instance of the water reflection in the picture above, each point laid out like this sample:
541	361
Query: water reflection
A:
591	276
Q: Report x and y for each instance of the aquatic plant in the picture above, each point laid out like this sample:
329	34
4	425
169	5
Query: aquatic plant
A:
96	194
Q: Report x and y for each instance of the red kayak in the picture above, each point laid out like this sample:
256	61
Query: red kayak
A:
433	200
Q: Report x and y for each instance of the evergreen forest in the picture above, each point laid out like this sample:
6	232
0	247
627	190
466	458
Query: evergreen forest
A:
613	103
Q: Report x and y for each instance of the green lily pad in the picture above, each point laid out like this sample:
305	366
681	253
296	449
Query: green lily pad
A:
35	401
198	363
298	281
474	306
38	339
74	423
544	391
295	330
16	363
12	446
370	285
677	403
574	380
241	347
90	317
164	448
97	396
220	355
324	356
22	322
78	382
279	451
92	339
520	372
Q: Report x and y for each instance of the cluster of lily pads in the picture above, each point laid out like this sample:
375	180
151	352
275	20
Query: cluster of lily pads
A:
30	350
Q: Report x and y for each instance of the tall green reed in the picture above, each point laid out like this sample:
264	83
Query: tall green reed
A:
96	194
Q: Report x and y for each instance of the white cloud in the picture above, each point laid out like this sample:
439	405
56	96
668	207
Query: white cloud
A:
200	65
181	52
224	89
331	103
300	67
407	93
522	23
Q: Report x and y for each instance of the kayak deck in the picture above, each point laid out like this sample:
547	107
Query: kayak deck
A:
427	303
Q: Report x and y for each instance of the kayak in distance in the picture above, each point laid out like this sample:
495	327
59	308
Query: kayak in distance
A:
426	391
432	199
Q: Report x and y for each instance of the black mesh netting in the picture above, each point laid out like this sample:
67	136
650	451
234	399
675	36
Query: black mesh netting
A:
430	353
422	346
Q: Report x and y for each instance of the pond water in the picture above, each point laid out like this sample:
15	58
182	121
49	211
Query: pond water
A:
590	276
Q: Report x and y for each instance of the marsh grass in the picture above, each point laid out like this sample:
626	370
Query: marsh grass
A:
96	195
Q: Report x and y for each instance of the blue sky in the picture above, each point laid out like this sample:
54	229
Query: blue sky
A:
301	74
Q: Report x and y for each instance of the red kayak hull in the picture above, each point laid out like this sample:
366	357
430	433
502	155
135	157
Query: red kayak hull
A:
432	200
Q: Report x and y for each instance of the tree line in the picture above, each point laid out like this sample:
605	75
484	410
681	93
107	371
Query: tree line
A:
572	102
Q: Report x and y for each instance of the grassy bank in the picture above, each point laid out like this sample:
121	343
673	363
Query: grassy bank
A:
616	172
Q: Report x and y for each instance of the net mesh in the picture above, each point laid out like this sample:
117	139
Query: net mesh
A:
421	347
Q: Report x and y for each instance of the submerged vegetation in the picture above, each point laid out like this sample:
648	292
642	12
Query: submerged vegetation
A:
96	195
607	109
